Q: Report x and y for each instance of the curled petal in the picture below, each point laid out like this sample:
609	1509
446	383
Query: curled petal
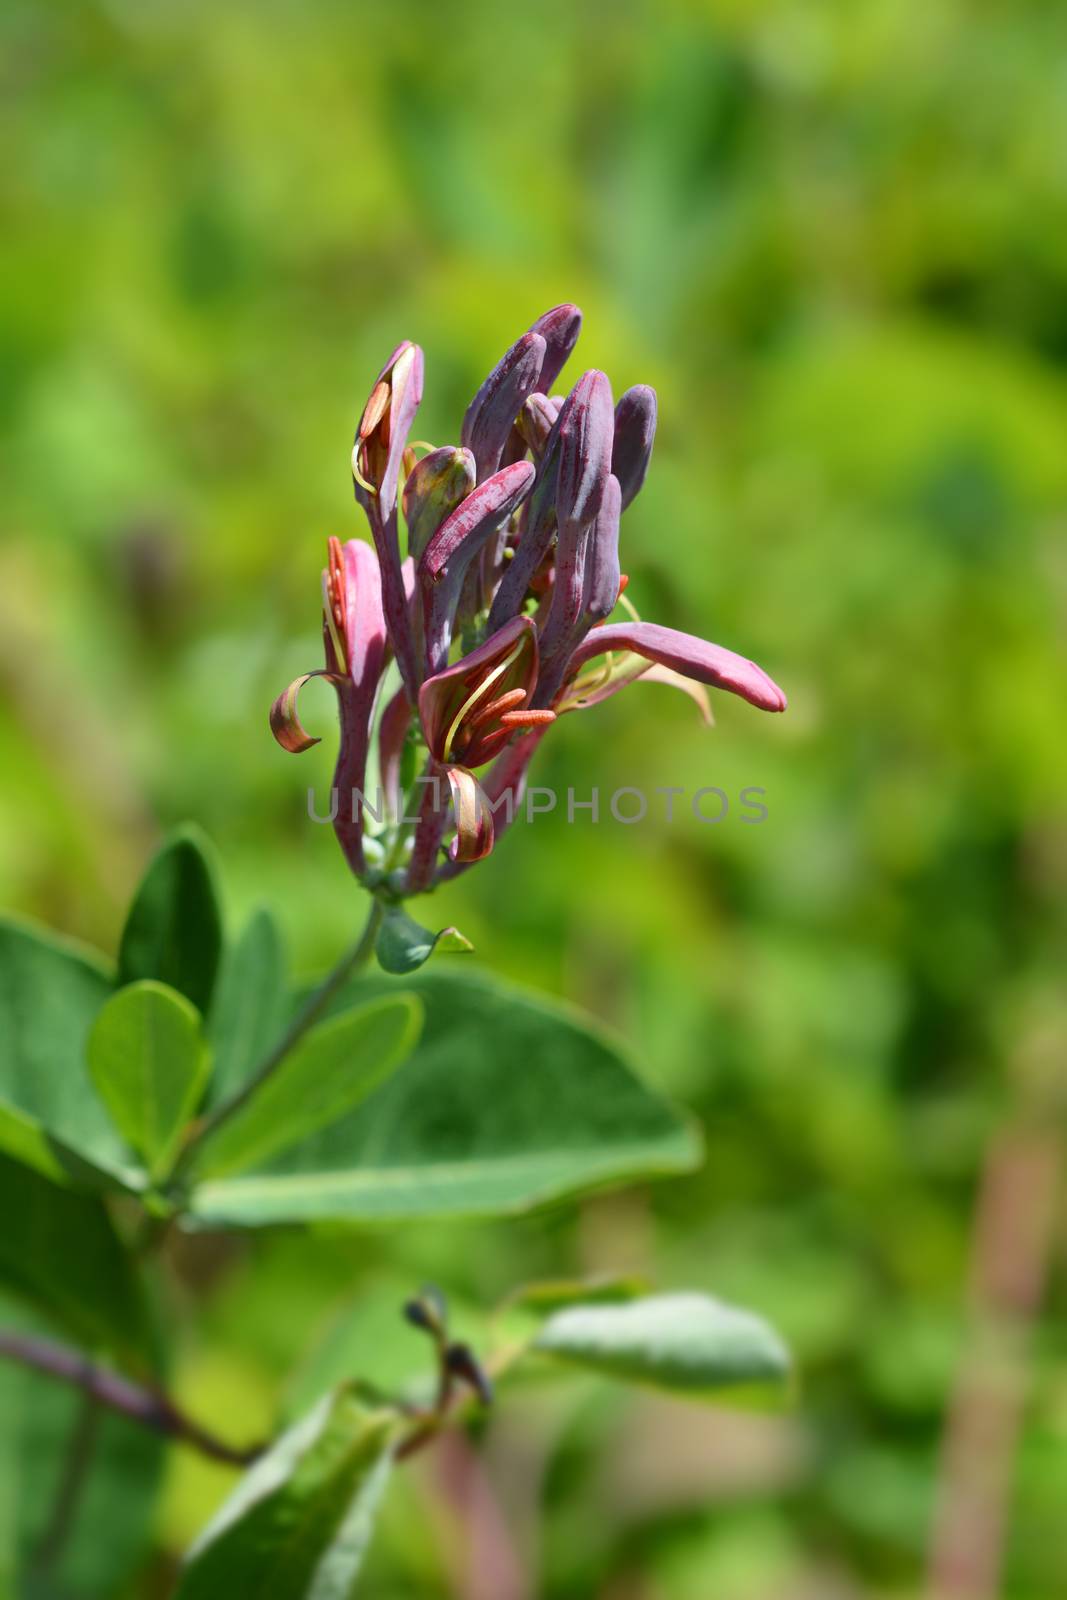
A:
635	431
284	722
684	653
503	786
451	700
474	818
491	414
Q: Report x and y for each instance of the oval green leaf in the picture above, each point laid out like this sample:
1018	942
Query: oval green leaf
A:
250	1008
331	1070
508	1101
149	1061
299	1522
51	1116
174	928
689	1343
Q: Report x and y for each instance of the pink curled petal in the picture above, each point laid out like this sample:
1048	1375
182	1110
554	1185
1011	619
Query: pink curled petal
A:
284	722
684	653
474	819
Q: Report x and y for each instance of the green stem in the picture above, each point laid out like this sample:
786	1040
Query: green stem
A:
305	1018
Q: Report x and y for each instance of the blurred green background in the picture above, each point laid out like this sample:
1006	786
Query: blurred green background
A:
834	237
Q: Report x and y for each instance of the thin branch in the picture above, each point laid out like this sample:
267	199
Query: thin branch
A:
111	1389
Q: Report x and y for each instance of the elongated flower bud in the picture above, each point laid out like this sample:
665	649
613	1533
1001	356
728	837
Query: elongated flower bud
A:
635	430
602	574
491	414
585	446
535	422
435	486
585	440
559	328
458	542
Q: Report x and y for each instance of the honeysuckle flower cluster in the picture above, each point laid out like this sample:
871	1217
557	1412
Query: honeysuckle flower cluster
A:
451	662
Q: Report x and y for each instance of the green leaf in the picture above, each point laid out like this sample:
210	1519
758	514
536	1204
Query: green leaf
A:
250	1008
689	1343
331	1070
174	929
51	1117
111	1528
149	1061
507	1102
403	946
299	1522
60	1253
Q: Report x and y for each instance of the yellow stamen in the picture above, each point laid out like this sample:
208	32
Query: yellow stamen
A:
370	488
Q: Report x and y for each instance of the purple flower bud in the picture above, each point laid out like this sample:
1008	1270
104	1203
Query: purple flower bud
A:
492	412
585	444
635	429
586	429
535	422
559	328
435	486
457	542
602	573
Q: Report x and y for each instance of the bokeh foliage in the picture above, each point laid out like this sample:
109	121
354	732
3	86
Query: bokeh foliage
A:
832	235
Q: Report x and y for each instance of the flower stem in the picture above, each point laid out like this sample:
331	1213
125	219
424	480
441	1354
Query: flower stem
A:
111	1389
305	1018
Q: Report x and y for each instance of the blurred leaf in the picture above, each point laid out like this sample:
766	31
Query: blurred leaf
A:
50	1114
686	1342
249	1009
174	928
299	1522
508	1101
60	1253
403	946
149	1061
330	1071
112	1519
